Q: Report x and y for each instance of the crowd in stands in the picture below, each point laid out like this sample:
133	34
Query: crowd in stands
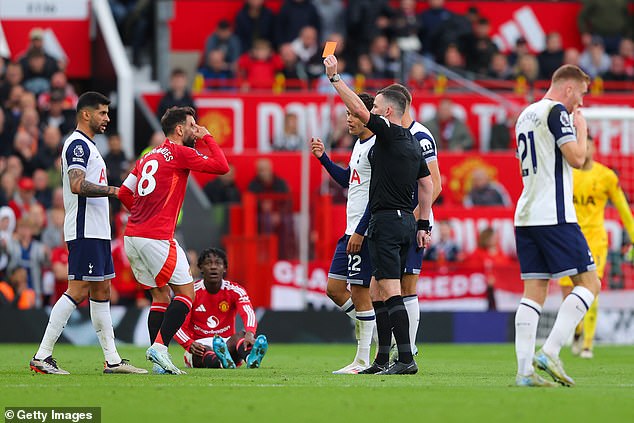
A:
380	43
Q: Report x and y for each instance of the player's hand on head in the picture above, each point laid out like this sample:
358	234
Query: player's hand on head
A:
580	123
200	131
197	348
317	147
249	340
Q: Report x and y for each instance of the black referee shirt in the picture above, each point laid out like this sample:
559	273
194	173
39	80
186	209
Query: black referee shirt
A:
397	163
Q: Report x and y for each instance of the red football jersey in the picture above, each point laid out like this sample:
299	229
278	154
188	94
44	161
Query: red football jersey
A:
215	314
158	182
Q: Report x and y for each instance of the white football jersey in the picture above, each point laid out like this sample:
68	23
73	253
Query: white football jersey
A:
85	217
541	129
428	145
359	183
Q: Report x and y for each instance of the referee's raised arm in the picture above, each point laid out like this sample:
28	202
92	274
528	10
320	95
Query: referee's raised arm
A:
349	97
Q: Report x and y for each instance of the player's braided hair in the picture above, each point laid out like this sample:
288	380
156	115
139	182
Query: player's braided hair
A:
209	252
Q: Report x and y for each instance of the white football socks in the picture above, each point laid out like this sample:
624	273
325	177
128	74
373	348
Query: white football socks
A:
60	314
366	321
102	322
526	320
348	308
571	311
413	314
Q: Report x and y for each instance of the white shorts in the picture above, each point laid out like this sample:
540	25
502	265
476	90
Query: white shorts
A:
157	262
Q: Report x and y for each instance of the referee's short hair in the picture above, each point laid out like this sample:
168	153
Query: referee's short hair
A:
175	116
395	99
368	100
401	89
91	100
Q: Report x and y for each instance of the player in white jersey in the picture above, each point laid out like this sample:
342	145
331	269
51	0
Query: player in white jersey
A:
414	259
351	261
87	233
548	239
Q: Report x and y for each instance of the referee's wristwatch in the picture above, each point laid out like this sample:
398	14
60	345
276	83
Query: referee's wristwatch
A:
336	77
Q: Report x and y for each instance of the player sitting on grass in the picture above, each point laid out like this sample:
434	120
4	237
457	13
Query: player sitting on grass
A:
208	334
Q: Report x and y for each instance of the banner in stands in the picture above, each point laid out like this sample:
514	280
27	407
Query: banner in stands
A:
65	26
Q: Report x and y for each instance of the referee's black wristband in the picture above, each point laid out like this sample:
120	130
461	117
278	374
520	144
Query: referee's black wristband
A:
423	225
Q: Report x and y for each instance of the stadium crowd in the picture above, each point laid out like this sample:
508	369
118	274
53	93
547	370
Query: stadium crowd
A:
376	43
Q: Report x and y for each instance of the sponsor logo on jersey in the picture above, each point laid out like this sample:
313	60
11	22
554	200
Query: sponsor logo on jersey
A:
213	322
223	306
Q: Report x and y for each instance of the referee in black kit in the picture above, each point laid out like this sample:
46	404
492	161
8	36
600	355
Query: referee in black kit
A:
397	163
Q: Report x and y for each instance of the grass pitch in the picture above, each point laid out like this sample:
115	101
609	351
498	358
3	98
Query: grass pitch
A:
456	383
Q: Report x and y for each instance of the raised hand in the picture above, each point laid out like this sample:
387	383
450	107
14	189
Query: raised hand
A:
317	147
331	65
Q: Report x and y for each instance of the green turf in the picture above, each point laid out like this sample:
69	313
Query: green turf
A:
465	383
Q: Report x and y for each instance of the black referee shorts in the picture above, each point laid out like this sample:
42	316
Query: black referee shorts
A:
389	238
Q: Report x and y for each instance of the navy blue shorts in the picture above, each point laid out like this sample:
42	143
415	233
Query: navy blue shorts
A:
356	269
414	260
390	236
90	259
553	251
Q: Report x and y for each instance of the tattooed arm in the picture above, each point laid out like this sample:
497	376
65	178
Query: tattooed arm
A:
80	186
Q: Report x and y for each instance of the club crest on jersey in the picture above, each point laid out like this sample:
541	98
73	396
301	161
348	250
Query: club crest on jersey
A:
78	151
213	321
223	306
564	118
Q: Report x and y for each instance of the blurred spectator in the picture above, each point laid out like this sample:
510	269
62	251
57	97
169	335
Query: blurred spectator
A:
192	257
364	20
339	138
155	140
7	226
488	257
378	54
485	192
405	26
609	19
36	48
55	114
306	44
59	267
50	149
13	76
59	82
450	133
254	21
503	132
617	70
365	68
626	51
26	252
177	95
445	247
13	108
257	69
289	139
499	68
274	214
225	40
521	48
215	69
223	189
571	56
15	293
292	68
53	234
43	193
440	28
594	60
527	68
24	147
552	57
325	86
8	183
24	198
295	15
331	17
454	61
6	135
418	79
36	77
479	47
117	164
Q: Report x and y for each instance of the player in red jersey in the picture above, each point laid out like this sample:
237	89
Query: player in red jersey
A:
154	193
208	334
